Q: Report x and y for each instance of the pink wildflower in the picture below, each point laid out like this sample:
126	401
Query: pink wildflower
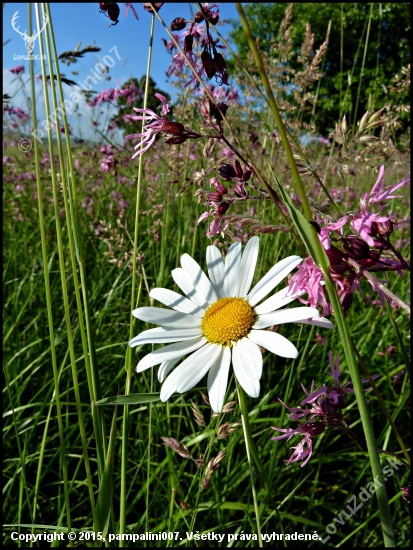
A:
19	69
127	6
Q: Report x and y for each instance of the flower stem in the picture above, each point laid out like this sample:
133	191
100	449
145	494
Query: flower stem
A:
252	451
321	259
128	362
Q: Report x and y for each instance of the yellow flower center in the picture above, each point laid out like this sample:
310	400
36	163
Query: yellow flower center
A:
227	320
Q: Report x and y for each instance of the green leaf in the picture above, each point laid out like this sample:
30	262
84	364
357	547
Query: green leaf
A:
104	503
306	231
133	399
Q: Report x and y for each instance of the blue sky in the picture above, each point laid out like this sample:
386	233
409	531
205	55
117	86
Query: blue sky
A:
74	23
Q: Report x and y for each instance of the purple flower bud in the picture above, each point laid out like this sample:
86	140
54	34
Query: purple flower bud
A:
188	43
208	64
227	171
218	186
178	24
214	197
247	174
199	17
382	228
238	169
356	248
222	208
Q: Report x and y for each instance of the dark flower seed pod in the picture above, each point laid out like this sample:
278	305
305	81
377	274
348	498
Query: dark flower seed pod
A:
227	171
178	24
208	64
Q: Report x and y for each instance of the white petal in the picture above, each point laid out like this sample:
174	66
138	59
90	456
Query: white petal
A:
176	301
250	385
190	371
320	322
166	317
167	353
186	284
251	358
231	275
277	300
193	369
199	280
274	276
216	269
162	335
293	315
218	380
165	368
274	342
247	267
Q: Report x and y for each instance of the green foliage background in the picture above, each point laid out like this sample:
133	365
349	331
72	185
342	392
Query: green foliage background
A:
388	50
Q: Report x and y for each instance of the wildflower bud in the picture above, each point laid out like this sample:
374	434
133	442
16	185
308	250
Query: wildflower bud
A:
218	109
238	169
346	299
184	505
227	171
344	125
147	6
315	428
214	197
337	260
240	191
356	248
218	186
178	24
222	208
174	128
175	140
220	63
188	43
208	64
247	174
199	17
382	228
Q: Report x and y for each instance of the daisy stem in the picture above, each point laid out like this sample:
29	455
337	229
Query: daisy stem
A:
252	451
321	259
128	362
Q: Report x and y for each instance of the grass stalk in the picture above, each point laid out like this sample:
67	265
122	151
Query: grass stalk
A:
321	260
48	307
61	254
133	303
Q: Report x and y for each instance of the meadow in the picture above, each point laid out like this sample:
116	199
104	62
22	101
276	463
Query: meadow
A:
93	448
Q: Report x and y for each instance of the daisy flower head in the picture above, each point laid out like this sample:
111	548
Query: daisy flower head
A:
220	323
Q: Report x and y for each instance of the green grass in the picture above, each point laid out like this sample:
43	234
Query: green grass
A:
65	347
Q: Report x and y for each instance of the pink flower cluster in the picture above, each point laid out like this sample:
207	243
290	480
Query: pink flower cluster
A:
326	404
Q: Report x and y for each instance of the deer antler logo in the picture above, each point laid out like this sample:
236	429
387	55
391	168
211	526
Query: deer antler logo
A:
29	40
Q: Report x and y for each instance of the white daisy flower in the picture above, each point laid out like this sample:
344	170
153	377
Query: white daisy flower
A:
220	322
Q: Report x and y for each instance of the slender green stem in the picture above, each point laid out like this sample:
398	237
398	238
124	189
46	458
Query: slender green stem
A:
128	362
362	68
61	254
321	260
251	450
48	302
73	229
